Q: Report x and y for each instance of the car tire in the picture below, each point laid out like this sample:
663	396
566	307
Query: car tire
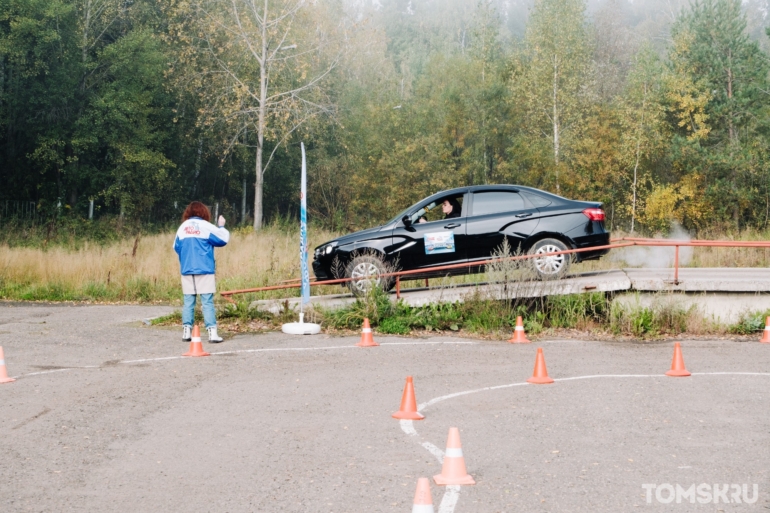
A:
365	270
550	267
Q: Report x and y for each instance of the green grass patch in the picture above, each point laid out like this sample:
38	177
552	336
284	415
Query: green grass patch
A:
476	314
593	312
138	290
750	322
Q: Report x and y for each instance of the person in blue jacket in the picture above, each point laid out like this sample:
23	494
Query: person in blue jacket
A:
195	241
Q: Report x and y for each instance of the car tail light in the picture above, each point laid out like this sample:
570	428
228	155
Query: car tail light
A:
594	214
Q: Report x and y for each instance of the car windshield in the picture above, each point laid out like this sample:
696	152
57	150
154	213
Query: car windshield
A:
414	210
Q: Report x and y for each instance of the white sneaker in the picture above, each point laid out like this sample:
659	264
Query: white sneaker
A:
186	333
213	337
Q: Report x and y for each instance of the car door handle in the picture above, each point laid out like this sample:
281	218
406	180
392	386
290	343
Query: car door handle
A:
452	225
521	216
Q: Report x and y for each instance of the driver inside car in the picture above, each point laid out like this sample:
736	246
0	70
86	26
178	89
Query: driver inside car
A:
450	207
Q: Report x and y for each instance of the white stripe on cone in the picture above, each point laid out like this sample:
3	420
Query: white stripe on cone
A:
454	453
366	330
422	508
519	328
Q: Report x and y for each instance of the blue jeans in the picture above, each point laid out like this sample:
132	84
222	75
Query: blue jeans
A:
207	305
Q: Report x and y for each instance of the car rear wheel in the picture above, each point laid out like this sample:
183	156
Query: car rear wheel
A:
366	271
553	266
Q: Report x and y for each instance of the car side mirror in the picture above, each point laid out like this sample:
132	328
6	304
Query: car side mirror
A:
407	220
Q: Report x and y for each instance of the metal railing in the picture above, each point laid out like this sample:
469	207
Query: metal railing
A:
18	209
615	244
676	244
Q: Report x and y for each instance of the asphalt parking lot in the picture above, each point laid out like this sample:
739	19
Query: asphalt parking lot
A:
106	416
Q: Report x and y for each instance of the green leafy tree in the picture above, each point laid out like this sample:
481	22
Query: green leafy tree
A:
554	74
643	118
257	67
714	56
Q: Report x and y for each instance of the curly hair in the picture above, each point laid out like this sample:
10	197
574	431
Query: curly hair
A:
196	209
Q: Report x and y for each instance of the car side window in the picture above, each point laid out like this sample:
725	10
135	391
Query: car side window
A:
493	202
434	210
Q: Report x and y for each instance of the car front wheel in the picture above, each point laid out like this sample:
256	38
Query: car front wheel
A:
366	272
552	266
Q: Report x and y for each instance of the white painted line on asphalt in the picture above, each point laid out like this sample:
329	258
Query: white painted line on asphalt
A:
408	427
731	373
43	372
262	350
593	376
449	501
459	342
466	392
435	451
56	370
452	493
270	349
153	359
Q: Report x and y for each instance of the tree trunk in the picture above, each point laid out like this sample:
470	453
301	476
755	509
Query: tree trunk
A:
556	122
243	201
633	202
731	126
261	125
638	155
258	192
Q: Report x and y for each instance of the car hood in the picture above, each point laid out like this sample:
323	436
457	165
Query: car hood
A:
353	237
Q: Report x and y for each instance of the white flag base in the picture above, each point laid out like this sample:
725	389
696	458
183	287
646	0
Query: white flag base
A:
301	327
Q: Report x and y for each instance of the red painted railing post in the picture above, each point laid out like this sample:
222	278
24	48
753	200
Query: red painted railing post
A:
676	265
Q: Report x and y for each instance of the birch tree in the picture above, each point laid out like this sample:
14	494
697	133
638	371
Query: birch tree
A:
555	71
643	117
257	67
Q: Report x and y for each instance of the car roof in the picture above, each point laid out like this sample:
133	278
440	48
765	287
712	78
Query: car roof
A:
497	187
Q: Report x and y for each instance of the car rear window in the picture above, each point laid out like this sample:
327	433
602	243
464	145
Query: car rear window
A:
497	201
537	200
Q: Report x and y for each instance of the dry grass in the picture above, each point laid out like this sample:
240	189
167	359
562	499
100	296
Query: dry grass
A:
146	269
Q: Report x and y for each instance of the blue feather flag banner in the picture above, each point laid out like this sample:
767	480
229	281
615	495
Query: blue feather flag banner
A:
303	232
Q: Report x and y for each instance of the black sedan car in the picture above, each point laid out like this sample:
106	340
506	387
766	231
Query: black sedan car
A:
467	225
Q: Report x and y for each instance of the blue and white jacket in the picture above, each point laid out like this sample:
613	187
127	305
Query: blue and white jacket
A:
194	243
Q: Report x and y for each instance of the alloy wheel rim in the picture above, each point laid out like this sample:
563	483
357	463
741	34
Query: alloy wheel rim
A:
550	264
365	275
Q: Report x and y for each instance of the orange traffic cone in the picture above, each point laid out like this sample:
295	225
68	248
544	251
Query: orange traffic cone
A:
196	348
423	502
408	409
366	336
540	376
453	470
766	337
677	364
4	373
519	336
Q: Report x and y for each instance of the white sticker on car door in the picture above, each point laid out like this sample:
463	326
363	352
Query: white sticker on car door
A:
439	242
